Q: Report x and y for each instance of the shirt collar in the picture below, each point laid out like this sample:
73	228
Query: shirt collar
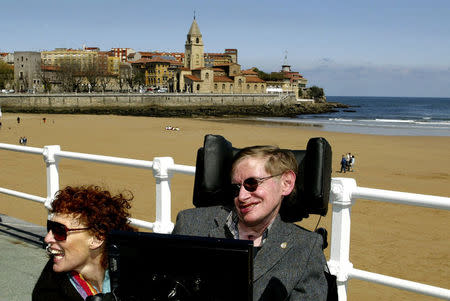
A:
232	225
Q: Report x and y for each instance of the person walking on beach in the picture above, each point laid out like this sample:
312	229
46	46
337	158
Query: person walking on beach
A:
23	140
18	119
352	162
348	158
343	164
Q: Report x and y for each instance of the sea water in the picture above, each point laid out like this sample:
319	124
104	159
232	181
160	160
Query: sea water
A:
411	116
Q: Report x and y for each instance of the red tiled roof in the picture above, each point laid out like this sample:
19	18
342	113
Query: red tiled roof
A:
176	63
249	72
254	79
222	79
154	60
193	78
147	53
50	68
217	54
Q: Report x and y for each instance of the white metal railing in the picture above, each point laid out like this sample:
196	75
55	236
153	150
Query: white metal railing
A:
344	192
163	169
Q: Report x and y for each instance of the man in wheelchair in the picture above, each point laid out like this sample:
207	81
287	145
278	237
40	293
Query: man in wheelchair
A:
288	260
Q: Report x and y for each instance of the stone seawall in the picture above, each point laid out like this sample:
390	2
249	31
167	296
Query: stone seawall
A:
166	104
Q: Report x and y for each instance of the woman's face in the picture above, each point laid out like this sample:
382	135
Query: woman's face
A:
260	207
72	254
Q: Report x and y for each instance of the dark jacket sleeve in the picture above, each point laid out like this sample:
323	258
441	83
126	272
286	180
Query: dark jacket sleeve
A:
181	224
312	284
197	221
54	286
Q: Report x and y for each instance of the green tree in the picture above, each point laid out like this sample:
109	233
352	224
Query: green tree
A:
275	76
47	77
69	75
93	72
315	92
134	77
6	74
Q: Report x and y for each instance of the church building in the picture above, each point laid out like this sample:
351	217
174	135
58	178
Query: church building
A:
218	74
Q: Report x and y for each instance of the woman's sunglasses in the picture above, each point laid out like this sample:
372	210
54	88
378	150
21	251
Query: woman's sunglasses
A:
59	230
250	184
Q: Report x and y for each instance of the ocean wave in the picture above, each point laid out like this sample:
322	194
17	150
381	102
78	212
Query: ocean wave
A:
340	119
395	120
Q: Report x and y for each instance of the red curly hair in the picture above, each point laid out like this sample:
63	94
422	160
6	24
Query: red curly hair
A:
96	208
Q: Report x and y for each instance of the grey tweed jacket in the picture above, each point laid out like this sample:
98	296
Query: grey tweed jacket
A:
290	264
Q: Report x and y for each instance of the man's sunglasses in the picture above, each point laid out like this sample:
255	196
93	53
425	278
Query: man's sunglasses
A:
59	230
250	184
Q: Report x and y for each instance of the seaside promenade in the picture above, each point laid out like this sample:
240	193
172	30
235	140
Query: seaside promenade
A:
22	257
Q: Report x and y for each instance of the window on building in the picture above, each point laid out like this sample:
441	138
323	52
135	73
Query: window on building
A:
215	86
198	87
256	87
223	86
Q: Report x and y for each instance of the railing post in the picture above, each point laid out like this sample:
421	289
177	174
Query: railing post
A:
162	174
51	163
339	263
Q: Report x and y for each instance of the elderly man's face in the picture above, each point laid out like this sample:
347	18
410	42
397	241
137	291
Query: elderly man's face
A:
260	207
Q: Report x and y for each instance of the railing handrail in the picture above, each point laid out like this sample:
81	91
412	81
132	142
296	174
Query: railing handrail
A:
344	192
405	198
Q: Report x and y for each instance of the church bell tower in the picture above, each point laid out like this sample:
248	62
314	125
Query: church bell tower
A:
194	48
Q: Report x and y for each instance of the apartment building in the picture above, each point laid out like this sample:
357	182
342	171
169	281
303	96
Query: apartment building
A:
82	58
122	53
159	71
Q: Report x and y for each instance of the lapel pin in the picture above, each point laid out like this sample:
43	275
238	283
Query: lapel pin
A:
283	245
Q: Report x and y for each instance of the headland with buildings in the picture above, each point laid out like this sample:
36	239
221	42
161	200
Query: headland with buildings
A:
125	81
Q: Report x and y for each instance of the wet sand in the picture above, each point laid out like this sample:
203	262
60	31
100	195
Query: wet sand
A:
398	240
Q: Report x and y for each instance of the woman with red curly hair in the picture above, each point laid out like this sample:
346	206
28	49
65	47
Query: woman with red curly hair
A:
81	218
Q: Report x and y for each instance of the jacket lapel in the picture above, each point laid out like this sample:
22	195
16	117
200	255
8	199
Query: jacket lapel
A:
276	246
220	224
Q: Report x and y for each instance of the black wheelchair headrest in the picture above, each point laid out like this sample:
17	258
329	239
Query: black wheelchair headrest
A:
213	177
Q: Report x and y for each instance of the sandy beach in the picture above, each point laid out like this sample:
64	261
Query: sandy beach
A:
401	241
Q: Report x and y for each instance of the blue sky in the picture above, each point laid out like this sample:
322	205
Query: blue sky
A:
374	48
